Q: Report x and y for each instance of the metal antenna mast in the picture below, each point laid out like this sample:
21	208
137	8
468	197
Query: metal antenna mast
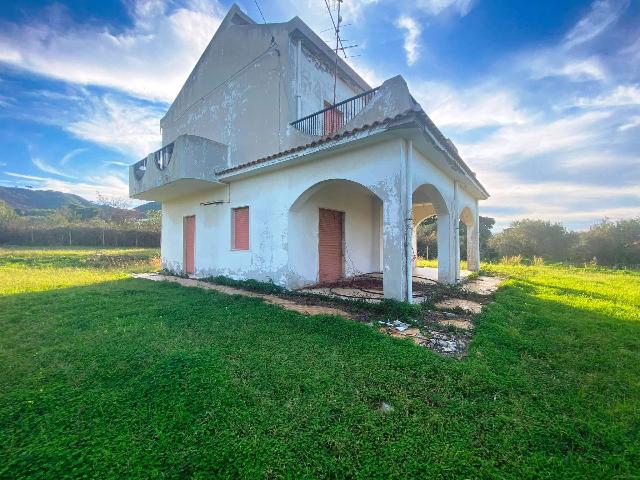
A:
339	45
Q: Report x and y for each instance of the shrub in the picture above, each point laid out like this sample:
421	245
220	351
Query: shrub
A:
537	261
250	284
512	260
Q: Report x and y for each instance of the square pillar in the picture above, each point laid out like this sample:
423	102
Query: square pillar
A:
398	231
473	243
446	248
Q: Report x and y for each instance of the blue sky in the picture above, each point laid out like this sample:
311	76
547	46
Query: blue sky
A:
541	98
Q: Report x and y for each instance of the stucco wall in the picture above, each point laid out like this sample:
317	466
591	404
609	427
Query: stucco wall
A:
242	92
235	95
283	215
316	84
270	197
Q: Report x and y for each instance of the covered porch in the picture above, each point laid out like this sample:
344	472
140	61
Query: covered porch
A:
357	242
369	287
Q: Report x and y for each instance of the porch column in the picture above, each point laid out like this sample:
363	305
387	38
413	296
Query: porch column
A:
414	248
446	248
473	243
398	231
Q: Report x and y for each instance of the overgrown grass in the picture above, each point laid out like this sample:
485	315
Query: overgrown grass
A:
24	269
104	376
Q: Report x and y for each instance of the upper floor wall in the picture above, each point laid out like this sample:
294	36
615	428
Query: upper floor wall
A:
251	82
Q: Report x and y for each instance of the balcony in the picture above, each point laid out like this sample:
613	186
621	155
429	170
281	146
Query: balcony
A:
331	119
183	166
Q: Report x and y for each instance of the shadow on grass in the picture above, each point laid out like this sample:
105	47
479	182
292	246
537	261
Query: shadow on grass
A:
135	378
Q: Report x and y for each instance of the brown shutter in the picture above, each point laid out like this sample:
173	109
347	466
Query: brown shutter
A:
189	234
333	119
241	228
330	258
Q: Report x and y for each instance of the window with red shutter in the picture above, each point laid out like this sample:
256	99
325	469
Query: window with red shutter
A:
333	119
240	228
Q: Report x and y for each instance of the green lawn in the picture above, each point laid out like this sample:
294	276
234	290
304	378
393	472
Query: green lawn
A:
104	376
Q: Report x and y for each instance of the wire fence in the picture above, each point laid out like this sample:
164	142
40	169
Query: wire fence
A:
79	236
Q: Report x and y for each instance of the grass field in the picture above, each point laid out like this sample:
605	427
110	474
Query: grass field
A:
104	376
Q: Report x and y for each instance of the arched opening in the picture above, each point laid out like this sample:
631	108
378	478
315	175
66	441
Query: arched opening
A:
468	231
432	234
335	232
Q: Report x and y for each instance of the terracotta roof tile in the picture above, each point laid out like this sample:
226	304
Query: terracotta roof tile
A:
319	141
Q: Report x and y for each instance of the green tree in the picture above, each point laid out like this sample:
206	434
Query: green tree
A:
534	238
7	214
611	243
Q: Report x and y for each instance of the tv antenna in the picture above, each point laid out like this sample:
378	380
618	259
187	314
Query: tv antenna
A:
339	45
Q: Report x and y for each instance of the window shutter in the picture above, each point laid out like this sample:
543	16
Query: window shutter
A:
241	228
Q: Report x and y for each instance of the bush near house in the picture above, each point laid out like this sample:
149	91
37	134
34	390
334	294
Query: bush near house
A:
105	376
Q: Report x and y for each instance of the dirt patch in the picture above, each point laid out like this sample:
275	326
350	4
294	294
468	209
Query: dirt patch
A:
482	285
468	306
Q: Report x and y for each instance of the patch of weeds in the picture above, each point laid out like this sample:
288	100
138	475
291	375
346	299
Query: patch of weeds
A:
269	288
173	273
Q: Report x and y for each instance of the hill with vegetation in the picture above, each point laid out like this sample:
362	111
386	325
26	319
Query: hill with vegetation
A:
25	200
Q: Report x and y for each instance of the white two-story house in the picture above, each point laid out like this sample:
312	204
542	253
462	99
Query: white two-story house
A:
263	175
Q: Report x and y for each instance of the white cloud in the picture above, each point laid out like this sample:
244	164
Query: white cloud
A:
125	126
602	15
620	96
45	167
557	63
151	59
436	7
352	10
72	154
517	143
482	106
632	123
411	37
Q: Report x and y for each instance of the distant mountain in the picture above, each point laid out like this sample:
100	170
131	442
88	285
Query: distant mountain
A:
40	202
24	199
145	207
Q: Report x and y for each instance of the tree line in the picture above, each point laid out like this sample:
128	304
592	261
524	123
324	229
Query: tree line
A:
608	242
108	223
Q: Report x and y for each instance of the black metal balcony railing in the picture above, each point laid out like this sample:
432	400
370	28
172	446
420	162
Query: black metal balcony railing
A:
332	118
161	158
139	168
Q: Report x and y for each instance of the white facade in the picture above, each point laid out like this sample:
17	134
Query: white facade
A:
386	169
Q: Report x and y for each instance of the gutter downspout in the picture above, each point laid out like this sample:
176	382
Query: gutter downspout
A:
298	79
408	220
456	233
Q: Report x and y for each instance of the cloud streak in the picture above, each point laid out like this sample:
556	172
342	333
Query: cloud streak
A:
412	32
150	60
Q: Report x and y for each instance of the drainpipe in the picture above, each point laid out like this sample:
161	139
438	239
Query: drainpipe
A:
407	223
298	79
456	232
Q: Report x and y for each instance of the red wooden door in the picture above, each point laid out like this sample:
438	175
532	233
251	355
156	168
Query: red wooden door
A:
330	245
189	236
